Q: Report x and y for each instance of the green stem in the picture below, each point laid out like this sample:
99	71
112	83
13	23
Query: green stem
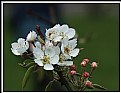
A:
64	81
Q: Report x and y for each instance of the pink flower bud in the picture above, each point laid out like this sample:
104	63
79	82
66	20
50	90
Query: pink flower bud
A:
85	74
31	47
94	65
73	67
72	72
83	63
86	60
88	83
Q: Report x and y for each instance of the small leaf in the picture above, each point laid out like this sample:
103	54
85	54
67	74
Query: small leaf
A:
90	87
28	61
30	64
99	86
26	76
20	64
49	84
26	65
78	74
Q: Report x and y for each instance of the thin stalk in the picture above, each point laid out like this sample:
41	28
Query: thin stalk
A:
64	81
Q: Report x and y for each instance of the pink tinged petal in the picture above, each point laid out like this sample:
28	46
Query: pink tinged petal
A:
74	52
48	67
39	62
69	63
54	60
14	45
70	33
31	49
15	52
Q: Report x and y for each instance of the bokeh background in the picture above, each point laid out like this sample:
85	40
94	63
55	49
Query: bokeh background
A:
97	27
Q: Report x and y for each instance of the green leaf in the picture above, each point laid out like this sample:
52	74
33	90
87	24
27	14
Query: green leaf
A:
28	61
99	86
90	87
27	65
26	76
49	85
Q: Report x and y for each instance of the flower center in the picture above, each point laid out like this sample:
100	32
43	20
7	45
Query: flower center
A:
61	58
46	60
62	34
67	50
50	34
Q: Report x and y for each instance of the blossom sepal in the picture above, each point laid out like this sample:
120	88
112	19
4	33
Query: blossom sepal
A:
98	86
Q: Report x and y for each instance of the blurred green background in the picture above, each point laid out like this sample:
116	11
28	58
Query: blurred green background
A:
97	27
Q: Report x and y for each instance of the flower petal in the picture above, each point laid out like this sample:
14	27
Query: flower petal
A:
49	51
74	52
38	53
21	50
37	44
39	62
62	64
73	43
71	33
64	28
26	45
15	52
31	36
57	50
21	41
54	60
48	67
67	56
57	38
69	63
14	45
65	41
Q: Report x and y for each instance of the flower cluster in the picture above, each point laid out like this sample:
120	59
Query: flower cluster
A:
55	51
58	47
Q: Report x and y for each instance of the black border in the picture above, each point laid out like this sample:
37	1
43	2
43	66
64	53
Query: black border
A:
62	3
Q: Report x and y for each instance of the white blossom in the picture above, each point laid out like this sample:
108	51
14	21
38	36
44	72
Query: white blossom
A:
63	61
58	33
19	47
46	57
31	36
68	48
53	33
66	32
